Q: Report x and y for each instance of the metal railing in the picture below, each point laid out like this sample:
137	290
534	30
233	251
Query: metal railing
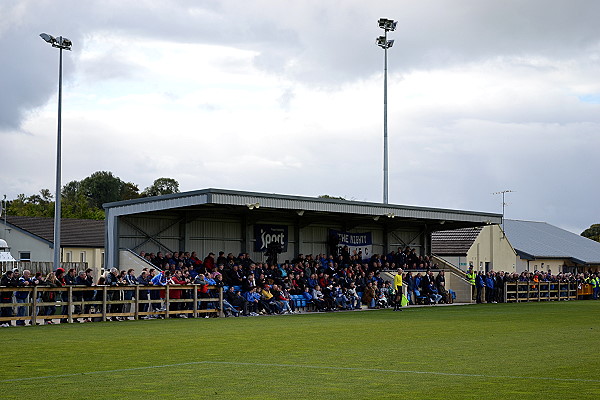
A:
105	302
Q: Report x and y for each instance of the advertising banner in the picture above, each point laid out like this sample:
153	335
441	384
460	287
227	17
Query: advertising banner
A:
356	242
265	235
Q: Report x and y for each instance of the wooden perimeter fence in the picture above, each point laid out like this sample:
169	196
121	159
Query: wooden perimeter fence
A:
541	291
109	302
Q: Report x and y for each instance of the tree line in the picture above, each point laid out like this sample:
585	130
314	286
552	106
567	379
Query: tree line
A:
83	199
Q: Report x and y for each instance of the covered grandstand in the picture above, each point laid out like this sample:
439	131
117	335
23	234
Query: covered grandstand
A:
212	220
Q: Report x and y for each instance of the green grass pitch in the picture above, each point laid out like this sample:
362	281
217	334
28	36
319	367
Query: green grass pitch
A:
499	351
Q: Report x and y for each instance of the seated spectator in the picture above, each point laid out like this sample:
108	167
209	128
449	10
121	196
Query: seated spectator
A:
283	300
236	300
432	292
353	298
369	295
267	298
318	298
341	301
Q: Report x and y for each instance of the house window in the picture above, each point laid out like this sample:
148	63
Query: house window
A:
82	256
102	260
24	256
69	256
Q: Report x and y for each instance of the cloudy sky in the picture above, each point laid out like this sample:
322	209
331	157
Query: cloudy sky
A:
287	97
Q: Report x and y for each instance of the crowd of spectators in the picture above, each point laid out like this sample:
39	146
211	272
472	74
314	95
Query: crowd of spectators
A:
490	285
342	281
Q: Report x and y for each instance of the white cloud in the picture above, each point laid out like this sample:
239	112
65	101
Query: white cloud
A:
287	98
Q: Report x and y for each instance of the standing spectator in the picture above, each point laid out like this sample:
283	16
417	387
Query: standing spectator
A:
112	280
60	278
499	287
22	296
177	279
480	284
144	280
50	297
85	279
489	288
161	279
130	280
8	280
410	288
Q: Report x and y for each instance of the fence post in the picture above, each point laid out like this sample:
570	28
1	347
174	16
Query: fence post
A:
167	301
70	304
505	290
221	312
33	307
195	296
136	315
104	294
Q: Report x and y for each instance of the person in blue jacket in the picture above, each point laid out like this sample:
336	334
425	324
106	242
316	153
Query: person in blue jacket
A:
490	288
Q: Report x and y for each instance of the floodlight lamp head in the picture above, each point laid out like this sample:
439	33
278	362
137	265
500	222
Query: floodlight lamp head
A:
252	206
65	43
58	42
48	38
384	43
387	24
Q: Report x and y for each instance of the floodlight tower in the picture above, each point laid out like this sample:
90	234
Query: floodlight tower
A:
382	41
61	44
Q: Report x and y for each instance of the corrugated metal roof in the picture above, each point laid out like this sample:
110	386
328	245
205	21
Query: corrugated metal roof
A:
542	240
286	202
454	242
73	232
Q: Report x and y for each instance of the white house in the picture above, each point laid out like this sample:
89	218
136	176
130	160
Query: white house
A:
31	239
522	246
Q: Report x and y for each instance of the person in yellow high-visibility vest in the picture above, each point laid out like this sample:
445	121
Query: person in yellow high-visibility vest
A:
471	276
398	288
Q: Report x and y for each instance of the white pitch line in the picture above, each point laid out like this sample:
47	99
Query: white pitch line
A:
396	371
